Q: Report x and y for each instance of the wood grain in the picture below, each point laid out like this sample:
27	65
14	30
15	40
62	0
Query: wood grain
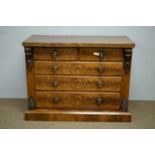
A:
78	41
62	53
77	83
78	100
78	68
78	78
75	115
109	54
29	72
126	79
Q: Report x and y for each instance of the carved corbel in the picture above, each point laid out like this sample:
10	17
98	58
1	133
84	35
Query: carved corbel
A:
127	59
124	105
29	58
31	103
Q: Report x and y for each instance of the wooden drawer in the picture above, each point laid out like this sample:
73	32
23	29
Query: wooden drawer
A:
77	83
101	54
55	53
78	68
78	100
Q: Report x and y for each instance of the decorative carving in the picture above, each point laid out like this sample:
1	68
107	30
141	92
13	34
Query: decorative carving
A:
31	103
28	50
29	58
124	105
127	59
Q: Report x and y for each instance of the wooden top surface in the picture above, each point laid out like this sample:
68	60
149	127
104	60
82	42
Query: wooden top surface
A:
78	41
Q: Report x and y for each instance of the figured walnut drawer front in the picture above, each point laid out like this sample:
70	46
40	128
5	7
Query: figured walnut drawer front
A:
102	54
78	68
77	83
78	100
55	53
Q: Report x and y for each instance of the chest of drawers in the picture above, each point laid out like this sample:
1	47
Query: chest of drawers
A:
78	78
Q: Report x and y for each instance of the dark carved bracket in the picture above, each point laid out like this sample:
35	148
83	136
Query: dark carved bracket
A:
124	105
29	58
31	103
127	59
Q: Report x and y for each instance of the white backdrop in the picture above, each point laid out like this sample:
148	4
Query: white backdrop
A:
12	61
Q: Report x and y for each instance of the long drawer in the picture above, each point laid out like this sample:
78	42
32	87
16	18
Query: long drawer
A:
101	54
78	68
78	83
77	100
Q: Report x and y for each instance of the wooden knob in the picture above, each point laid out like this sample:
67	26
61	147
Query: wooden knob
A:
55	83
99	101
56	100
54	68
101	54
100	69
54	54
100	84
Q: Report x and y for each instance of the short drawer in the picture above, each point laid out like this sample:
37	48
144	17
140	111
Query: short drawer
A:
55	53
77	83
78	68
101	54
78	100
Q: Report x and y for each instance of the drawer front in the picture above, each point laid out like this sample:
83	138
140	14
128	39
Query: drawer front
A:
77	100
77	83
101	54
78	68
55	53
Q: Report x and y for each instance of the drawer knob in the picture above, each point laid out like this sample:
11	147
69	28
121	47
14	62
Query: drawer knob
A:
54	54
101	54
100	69
54	68
55	83
100	84
99	101
56	100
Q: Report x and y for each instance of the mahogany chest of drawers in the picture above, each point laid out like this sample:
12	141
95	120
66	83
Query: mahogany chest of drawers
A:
78	78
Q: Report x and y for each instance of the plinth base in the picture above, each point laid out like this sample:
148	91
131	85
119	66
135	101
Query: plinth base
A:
77	115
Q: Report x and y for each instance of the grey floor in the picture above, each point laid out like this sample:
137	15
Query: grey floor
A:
12	116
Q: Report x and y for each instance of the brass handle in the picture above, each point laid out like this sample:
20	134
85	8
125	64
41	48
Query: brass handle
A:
101	54
99	101
54	68
55	83
56	100
54	54
100	69
100	84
